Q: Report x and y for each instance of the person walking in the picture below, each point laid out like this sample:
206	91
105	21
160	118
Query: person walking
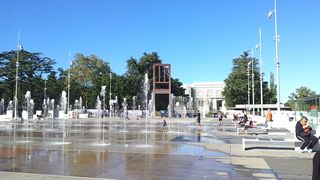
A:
164	125
303	133
268	122
198	119
220	116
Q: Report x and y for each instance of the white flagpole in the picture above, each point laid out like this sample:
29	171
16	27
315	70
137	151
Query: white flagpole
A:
69	83
17	77
261	78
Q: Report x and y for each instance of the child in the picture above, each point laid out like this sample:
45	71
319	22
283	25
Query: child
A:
164	125
220	118
198	120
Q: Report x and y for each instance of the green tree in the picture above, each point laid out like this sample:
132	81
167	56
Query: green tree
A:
271	94
54	86
146	62
300	93
177	88
32	68
236	84
136	70
87	75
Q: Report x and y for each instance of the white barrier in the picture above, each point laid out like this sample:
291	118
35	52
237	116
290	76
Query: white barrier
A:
83	116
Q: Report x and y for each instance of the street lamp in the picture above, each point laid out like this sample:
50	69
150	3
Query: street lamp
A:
276	39
110	101
248	73
19	48
70	64
261	78
252	81
45	90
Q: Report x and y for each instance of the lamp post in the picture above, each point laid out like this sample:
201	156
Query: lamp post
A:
45	90
252	79
248	73
17	77
45	102
276	39
110	101
69	84
261	78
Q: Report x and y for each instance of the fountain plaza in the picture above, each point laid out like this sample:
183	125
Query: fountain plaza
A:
139	148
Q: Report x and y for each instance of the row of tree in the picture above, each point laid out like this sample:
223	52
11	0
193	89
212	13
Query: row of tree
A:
87	75
236	85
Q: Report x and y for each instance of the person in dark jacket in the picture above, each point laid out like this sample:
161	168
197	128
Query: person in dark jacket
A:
198	119
316	166
303	133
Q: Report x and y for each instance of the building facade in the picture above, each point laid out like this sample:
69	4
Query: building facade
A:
205	96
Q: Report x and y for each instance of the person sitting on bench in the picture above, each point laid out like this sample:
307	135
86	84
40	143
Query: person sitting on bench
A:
303	133
243	120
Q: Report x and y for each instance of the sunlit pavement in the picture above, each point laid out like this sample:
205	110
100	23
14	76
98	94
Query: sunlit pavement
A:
113	148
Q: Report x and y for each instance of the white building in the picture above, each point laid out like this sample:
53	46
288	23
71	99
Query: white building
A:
206	96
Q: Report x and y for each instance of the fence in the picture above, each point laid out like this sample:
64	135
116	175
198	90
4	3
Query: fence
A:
308	107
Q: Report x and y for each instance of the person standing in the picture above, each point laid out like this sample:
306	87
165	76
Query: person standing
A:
164	125
220	118
316	166
198	119
268	122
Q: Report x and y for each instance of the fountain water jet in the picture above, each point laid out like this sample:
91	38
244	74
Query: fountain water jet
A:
146	87
101	142
2	107
63	105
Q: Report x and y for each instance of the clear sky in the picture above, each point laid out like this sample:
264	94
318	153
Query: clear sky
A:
198	37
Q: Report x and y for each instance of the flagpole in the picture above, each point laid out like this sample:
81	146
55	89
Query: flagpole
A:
17	77
261	78
110	103
69	84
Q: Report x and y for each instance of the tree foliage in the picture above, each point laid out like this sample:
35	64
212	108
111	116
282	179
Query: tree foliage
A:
32	68
54	86
300	93
272	93
87	75
136	70
236	84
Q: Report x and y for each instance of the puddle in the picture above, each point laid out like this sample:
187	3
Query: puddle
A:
196	151
196	138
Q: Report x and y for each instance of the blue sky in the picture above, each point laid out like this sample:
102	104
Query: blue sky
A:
198	37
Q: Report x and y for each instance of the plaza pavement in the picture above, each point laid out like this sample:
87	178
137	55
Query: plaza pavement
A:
198	156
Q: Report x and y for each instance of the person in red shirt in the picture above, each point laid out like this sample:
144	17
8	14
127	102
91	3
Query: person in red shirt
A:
303	133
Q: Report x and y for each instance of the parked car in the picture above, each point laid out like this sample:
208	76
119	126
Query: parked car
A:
191	114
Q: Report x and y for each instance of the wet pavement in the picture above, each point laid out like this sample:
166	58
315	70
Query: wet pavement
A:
114	148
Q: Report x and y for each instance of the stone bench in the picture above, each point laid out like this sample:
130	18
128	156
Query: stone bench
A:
266	141
298	143
83	116
254	130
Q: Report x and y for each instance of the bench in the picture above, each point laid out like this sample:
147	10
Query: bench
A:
266	141
247	129
254	130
